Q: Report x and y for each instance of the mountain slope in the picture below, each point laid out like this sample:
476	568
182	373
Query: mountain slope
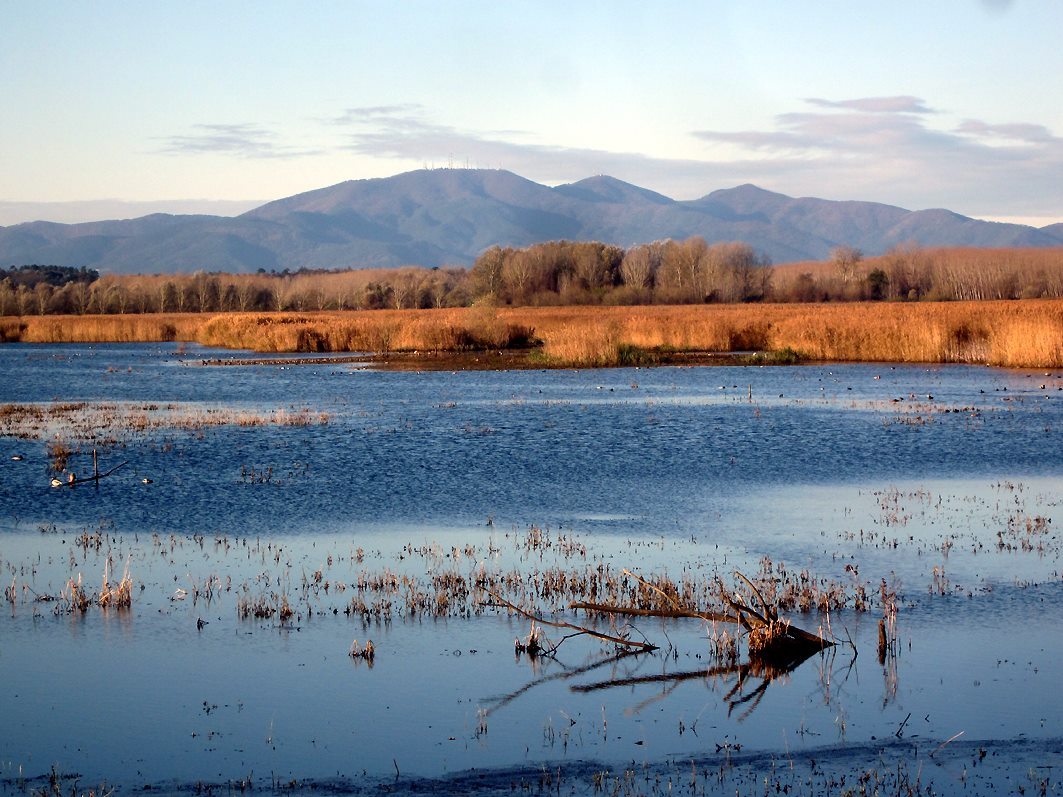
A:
1055	231
448	216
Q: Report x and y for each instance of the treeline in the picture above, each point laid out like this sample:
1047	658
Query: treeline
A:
663	272
261	292
912	273
56	276
554	274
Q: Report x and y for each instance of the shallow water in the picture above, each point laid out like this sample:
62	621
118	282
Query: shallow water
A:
946	482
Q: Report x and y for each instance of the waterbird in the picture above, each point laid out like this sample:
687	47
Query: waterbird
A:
16	458
71	478
56	483
146	480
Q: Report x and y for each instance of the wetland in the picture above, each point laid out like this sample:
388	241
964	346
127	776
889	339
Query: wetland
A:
199	620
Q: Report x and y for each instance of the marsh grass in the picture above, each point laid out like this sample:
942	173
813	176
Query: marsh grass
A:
762	640
77	598
162	327
117	596
58	454
111	423
1027	333
112	595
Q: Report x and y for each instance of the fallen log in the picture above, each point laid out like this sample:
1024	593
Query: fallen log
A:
770	640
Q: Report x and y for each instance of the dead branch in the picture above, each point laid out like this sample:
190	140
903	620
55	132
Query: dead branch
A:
643	646
779	640
769	611
97	477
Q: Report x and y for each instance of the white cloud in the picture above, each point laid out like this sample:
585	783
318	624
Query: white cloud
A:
244	140
898	104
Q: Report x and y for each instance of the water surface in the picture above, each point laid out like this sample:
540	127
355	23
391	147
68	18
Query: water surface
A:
945	482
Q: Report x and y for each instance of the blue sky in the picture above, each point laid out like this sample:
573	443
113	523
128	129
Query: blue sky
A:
951	103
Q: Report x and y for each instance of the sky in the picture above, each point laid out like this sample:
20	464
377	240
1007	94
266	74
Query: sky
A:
116	109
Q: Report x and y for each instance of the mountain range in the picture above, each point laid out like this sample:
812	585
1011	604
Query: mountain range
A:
442	217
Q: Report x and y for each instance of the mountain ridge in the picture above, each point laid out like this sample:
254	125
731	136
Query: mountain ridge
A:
449	216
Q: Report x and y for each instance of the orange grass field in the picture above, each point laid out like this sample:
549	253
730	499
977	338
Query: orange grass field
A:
1027	333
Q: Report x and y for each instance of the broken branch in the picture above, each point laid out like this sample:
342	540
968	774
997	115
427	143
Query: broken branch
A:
643	646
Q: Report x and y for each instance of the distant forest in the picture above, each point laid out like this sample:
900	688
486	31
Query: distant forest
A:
557	273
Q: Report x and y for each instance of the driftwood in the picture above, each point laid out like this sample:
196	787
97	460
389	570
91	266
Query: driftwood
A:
627	643
775	647
771	640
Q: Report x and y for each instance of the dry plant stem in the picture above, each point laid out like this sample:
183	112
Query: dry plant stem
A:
941	746
643	646
900	728
654	587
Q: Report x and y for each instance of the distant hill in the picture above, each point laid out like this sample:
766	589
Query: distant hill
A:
449	216
1055	231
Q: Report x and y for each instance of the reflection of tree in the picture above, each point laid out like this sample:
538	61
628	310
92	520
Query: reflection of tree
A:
499	702
764	672
757	674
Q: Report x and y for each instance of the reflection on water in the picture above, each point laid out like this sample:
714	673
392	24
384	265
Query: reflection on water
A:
362	497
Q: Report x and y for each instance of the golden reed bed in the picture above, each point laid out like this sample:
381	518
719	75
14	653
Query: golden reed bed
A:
1026	333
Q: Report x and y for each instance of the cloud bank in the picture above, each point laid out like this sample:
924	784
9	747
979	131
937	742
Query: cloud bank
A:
894	149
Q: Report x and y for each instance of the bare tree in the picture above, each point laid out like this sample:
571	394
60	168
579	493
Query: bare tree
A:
639	265
846	259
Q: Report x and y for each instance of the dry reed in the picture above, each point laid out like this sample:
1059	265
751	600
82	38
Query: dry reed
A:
1026	333
117	596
